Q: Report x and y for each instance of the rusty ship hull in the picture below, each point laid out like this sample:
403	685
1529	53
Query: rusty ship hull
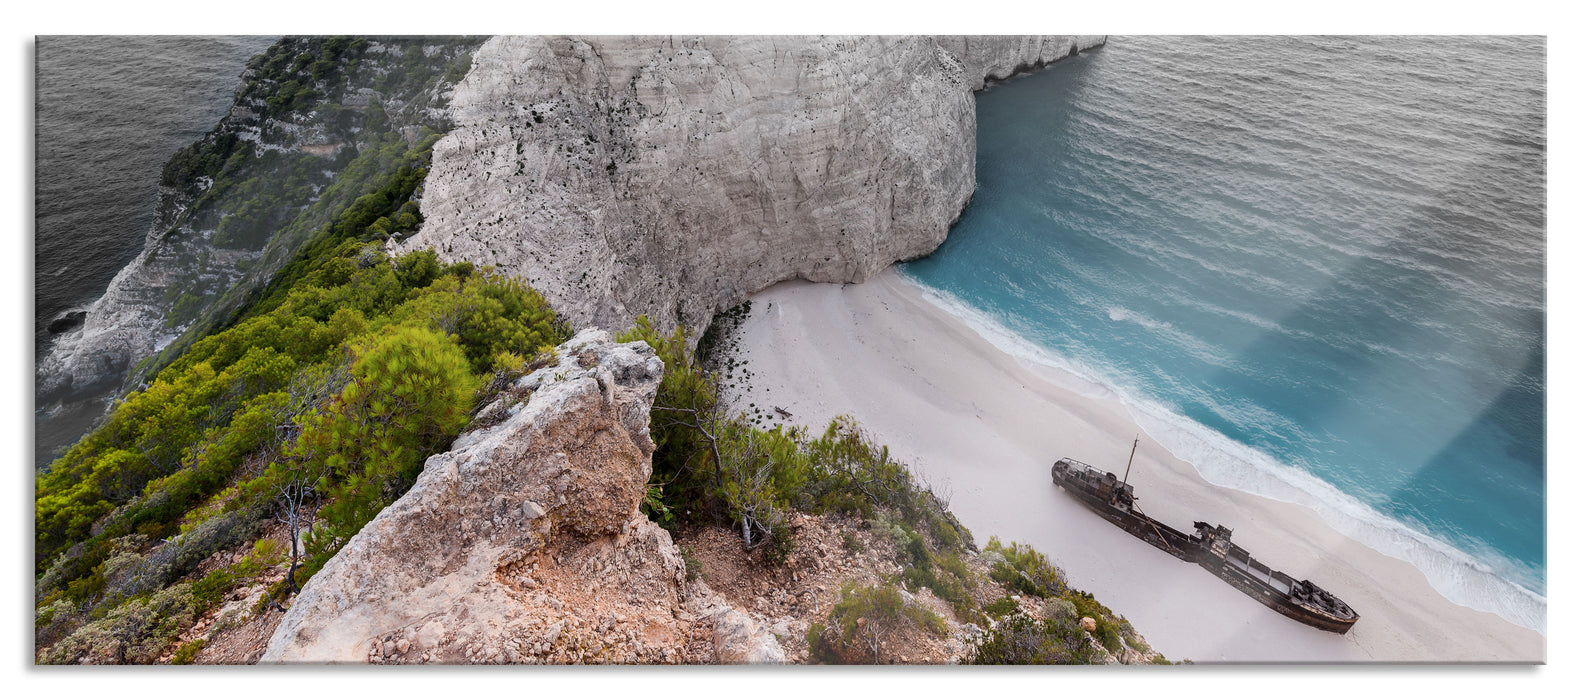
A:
1210	548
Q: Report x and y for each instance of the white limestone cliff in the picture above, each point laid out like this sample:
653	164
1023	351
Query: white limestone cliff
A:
649	175
675	176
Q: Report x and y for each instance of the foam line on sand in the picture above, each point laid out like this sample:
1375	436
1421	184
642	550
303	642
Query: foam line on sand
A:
982	428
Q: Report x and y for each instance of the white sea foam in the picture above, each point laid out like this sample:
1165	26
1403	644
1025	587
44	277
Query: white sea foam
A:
1070	374
1117	313
1459	576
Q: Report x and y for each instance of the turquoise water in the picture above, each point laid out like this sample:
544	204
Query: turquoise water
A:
1313	266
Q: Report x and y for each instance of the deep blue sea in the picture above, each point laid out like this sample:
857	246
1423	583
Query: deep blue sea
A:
109	111
1313	268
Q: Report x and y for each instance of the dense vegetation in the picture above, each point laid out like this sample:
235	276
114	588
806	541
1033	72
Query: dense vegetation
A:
723	469
311	397
317	406
303	78
714	468
318	123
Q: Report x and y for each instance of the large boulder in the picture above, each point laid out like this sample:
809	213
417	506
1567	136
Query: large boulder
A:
739	639
523	544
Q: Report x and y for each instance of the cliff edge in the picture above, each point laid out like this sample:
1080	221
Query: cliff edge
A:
673	177
524	543
301	140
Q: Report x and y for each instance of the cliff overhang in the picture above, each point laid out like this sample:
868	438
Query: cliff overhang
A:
674	176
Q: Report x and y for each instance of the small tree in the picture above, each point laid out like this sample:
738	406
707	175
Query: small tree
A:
685	420
749	487
409	393
297	492
710	462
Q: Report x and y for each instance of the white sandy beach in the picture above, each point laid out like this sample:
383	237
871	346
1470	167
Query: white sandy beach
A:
982	428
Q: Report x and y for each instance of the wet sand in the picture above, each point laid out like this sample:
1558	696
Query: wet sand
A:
983	427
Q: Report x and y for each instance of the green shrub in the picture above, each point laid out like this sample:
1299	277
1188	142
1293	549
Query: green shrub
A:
186	652
1108	631
860	618
138	631
348	359
684	425
850	543
1109	636
1059	608
168	450
1000	608
1020	639
409	395
726	471
817	651
1024	569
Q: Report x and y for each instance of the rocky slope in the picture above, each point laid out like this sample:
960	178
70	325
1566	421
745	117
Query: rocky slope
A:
524	543
235	205
620	176
674	176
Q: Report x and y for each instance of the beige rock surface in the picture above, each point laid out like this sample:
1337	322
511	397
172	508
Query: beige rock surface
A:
672	176
523	544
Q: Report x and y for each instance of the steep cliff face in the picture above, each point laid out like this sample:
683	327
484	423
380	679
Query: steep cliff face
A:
674	176
237	204
524	543
988	59
621	176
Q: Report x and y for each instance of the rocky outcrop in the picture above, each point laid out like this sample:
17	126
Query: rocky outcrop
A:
674	176
739	639
215	235
990	59
619	175
524	543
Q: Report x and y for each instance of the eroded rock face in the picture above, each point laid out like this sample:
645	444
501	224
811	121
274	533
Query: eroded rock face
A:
675	176
739	639
523	544
988	59
189	272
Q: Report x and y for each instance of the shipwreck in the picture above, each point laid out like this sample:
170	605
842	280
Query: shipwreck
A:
1210	547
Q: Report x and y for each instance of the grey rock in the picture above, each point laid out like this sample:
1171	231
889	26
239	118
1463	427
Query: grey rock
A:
674	176
531	510
430	570
137	315
739	639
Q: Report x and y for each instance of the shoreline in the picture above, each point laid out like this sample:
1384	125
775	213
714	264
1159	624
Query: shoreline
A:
1225	464
982	427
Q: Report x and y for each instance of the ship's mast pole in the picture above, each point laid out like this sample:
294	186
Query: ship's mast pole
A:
1128	473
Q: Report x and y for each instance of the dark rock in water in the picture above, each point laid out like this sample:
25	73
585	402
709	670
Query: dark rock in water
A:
66	321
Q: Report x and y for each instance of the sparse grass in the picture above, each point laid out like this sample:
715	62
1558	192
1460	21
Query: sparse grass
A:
859	621
1020	639
1000	608
1024	569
